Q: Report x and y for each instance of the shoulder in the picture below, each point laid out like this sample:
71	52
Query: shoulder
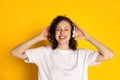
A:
44	48
40	49
84	51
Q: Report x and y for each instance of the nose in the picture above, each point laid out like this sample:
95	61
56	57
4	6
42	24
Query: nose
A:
62	32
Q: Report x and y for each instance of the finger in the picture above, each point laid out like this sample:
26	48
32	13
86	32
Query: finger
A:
48	27
45	29
76	38
77	27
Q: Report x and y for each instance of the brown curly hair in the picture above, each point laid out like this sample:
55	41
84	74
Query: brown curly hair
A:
51	32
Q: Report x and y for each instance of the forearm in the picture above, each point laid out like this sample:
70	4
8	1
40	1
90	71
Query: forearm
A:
103	50
20	49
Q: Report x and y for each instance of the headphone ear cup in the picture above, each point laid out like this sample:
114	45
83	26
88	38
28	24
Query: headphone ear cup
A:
74	34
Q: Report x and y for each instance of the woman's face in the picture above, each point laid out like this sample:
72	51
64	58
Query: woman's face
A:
63	32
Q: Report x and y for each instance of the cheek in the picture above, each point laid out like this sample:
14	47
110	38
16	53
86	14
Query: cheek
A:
67	33
56	34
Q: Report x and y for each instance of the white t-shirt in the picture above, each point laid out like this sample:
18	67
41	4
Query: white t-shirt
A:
60	64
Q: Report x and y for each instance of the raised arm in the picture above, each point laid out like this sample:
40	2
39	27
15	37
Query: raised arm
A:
104	52
19	51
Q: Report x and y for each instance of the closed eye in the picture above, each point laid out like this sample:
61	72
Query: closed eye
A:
66	29
57	29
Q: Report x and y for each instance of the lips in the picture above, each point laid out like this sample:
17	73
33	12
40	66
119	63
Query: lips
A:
62	37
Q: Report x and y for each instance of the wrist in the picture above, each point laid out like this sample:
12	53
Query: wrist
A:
88	38
37	38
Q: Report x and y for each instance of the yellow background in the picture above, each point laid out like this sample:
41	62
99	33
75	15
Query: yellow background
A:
24	19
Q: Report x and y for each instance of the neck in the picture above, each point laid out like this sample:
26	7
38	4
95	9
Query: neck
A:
63	46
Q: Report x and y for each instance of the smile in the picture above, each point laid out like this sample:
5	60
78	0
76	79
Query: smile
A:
62	37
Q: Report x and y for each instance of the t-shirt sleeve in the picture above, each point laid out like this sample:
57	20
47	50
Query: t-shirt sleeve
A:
91	57
33	55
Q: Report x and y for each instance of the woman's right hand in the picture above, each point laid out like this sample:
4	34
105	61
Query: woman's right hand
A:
19	51
44	34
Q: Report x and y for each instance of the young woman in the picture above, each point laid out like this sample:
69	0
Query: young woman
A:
62	60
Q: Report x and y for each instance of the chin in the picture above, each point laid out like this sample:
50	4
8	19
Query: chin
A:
63	42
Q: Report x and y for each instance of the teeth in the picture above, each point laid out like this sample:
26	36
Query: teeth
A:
62	37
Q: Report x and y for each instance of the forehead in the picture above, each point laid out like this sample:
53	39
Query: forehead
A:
63	24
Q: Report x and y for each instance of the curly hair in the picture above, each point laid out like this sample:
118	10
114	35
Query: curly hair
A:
51	36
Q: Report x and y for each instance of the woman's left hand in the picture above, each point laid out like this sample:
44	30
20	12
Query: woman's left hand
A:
81	34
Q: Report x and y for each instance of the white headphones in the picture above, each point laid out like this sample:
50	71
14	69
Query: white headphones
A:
74	33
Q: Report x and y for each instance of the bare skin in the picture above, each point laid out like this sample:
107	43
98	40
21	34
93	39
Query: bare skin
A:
19	51
104	52
63	36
